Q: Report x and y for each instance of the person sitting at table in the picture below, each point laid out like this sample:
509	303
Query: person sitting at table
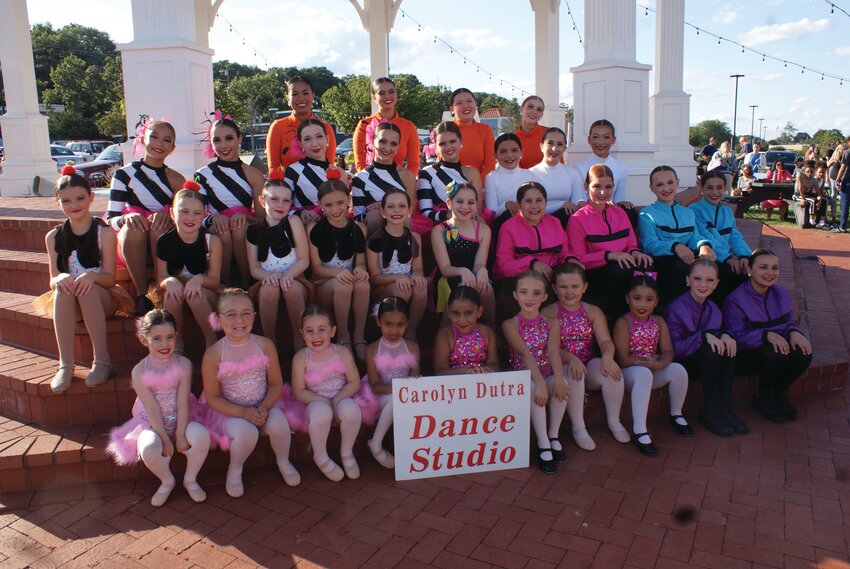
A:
777	175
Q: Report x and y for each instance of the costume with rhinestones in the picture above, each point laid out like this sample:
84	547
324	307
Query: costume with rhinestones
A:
535	334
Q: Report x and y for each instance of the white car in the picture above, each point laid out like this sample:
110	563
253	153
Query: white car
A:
63	155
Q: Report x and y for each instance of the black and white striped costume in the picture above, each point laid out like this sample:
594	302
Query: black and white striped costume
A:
431	188
305	177
370	185
138	185
226	186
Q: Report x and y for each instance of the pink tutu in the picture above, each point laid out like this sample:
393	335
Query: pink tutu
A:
214	421
123	440
370	407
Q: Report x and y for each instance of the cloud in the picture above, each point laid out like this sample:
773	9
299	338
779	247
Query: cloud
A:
842	51
779	32
726	14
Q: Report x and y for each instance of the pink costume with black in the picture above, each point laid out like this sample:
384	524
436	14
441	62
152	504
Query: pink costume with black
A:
469	350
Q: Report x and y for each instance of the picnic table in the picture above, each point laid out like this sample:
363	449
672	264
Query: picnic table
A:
762	191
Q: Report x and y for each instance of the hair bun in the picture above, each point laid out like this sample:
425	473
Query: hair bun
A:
334	174
276	175
68	170
192	185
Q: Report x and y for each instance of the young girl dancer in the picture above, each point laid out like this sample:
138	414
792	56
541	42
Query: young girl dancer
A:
584	334
82	280
533	344
188	264
307	174
461	245
385	95
325	380
233	191
530	131
758	315
563	183
435	180
242	387
705	349
381	176
165	414
390	357
501	184
465	346
139	199
477	152
278	256
645	353
394	258
600	139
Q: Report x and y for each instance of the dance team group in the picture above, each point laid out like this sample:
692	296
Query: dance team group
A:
330	245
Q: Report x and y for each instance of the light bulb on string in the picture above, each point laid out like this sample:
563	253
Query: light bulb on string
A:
718	40
762	58
697	31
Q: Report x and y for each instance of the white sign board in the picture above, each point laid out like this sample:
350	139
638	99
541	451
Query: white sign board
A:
458	424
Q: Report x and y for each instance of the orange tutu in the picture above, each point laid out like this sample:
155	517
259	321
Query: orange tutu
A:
125	305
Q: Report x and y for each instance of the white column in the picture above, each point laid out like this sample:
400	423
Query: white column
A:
378	18
669	107
546	72
168	74
25	136
611	84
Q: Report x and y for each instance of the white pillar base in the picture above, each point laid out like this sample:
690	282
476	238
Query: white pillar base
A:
28	157
555	117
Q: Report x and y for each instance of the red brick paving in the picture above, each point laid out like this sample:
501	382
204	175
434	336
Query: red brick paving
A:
778	497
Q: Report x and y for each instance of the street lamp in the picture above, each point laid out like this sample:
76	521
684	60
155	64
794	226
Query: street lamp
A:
735	113
761	122
753	121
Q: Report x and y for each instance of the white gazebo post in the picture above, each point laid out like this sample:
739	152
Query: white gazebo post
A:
546	72
168	73
25	136
611	84
669	107
378	18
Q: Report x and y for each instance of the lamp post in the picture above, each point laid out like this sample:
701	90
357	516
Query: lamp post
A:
735	113
761	122
753	121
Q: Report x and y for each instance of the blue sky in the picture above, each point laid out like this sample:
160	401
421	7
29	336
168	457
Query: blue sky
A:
329	33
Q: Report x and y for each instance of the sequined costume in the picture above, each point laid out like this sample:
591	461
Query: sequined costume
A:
469	350
576	332
535	334
123	440
393	360
644	337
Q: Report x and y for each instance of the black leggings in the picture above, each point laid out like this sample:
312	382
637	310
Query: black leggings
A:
672	277
776	371
607	287
716	374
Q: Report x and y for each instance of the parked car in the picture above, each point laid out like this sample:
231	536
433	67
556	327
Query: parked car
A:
96	171
90	147
786	156
345	147
63	155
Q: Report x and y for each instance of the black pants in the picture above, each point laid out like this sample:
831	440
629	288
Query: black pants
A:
562	216
716	374
776	371
672	277
729	281
607	287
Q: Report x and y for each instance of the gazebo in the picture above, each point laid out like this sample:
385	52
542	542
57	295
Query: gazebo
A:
171	46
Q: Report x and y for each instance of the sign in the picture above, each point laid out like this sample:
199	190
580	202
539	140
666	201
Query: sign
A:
459	424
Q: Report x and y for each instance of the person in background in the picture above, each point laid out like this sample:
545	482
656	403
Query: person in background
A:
282	148
530	131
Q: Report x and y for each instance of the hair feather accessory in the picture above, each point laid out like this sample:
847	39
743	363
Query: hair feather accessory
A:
139	139
214	322
209	151
68	170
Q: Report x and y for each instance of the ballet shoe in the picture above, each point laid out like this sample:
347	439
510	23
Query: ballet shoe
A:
62	380
352	470
621	435
331	470
196	493
99	373
233	485
290	476
583	440
161	495
382	456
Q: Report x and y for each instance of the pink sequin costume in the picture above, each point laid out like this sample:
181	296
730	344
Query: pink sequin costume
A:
123	440
242	381
327	377
469	350
576	332
644	338
535	334
393	360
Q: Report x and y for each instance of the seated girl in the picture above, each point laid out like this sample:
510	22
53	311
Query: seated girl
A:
501	184
562	182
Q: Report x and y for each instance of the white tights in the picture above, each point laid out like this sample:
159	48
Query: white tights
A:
244	436
612	394
150	449
320	416
385	421
640	382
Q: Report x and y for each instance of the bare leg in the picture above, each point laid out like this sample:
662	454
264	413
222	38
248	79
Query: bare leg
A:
295	299
240	255
268	300
361	312
336	295
201	309
134	249
226	256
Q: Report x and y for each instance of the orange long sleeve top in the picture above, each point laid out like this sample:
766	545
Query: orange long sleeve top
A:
530	144
477	150
408	146
279	142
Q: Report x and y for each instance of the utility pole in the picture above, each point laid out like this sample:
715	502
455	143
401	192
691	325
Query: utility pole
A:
735	113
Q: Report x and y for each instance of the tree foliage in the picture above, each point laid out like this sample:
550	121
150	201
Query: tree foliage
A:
823	138
50	46
348	102
699	135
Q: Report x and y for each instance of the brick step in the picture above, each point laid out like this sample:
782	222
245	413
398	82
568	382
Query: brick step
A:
25	233
33	457
25	393
28	272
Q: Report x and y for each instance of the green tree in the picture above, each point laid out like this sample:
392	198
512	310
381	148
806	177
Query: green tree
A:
226	71
50	46
699	135
824	137
348	102
250	98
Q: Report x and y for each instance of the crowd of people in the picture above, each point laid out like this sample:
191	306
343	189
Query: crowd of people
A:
552	263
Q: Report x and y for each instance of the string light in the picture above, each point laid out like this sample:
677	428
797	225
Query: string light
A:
764	55
833	7
453	50
245	42
573	20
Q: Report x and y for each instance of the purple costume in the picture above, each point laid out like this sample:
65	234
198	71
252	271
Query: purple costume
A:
689	322
469	350
576	332
749	316
535	334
